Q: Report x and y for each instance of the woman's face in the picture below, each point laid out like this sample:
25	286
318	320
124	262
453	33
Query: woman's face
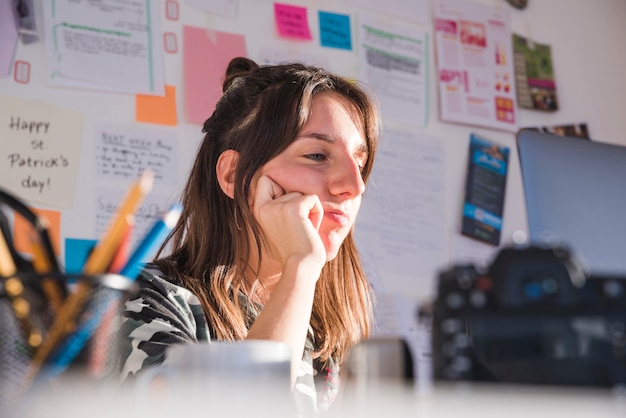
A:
325	160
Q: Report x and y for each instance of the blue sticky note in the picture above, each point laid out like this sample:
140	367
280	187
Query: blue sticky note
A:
335	30
76	253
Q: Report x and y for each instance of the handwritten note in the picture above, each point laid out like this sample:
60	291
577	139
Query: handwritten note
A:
39	150
124	153
291	21
400	229
335	30
107	205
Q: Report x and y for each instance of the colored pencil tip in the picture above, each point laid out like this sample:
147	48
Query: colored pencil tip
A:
171	217
146	180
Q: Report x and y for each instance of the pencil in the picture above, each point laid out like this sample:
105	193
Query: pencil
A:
7	264
97	263
153	239
99	260
121	255
148	245
54	290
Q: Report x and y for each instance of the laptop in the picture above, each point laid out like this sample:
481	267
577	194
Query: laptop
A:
575	193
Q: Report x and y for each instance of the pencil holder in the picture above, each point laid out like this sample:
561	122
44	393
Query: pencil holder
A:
88	350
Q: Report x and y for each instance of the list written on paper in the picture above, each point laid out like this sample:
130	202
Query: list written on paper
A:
107	205
39	151
400	230
123	153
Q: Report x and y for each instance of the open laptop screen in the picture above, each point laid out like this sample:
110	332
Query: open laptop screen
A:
575	193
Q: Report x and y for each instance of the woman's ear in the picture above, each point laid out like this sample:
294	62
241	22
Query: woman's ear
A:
226	166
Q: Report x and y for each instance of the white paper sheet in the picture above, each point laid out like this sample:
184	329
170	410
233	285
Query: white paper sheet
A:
400	230
393	60
112	45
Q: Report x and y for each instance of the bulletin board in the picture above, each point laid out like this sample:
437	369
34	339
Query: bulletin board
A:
71	149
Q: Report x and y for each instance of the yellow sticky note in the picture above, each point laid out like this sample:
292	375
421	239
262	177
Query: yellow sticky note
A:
157	109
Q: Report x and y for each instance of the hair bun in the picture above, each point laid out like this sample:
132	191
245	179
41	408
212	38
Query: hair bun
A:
238	67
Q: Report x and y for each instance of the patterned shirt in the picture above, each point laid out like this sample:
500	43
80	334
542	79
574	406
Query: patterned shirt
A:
162	313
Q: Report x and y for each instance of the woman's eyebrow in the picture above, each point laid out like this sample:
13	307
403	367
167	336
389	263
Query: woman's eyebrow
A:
315	135
331	140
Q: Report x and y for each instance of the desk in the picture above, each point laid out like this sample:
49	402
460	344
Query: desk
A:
385	399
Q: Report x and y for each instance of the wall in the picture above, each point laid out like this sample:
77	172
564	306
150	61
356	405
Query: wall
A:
585	37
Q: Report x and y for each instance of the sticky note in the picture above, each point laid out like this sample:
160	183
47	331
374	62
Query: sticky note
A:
206	55
291	21
22	240
76	253
157	109
335	30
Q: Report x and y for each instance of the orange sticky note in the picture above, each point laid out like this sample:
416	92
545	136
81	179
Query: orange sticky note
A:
292	21
21	239
157	109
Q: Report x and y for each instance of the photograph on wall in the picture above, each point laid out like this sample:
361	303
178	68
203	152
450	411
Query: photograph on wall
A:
485	187
475	75
578	130
534	75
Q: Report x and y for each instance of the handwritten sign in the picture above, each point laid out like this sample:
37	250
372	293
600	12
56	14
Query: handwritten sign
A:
124	153
292	21
335	30
39	151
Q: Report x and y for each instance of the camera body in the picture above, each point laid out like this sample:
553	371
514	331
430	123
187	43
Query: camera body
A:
532	316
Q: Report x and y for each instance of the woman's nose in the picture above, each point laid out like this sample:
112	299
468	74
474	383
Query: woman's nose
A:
347	179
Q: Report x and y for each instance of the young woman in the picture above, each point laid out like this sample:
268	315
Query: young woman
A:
264	248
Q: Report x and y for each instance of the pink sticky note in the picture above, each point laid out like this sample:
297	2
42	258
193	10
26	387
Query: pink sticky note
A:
292	21
206	55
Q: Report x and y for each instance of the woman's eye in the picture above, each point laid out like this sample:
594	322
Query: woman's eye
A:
316	157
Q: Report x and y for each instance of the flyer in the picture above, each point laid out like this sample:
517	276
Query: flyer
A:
534	75
485	188
475	77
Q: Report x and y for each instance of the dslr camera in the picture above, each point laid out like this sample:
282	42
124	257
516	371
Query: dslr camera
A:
532	316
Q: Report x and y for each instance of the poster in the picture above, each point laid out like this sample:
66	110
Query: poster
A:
475	67
534	75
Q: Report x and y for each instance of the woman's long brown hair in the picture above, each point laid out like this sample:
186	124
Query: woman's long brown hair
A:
261	112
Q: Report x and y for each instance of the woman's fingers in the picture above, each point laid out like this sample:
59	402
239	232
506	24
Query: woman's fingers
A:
290	220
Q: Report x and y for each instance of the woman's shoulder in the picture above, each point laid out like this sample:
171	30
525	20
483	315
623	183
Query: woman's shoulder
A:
152	281
157	297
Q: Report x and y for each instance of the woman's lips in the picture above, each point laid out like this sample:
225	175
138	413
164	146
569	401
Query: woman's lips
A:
338	217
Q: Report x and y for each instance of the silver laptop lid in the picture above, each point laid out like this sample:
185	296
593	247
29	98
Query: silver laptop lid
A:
575	193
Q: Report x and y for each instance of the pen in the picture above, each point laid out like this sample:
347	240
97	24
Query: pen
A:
14	289
97	263
50	286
